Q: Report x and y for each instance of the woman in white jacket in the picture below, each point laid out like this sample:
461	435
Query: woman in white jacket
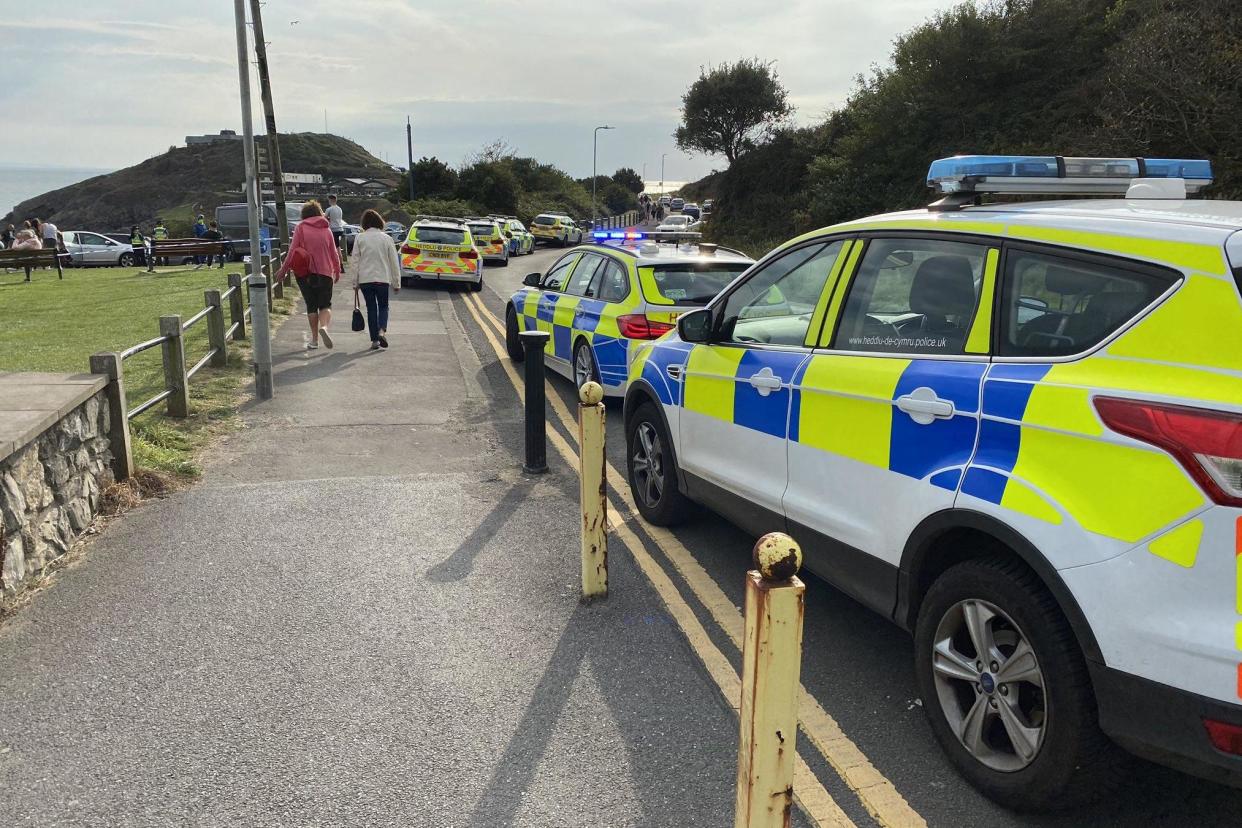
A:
374	267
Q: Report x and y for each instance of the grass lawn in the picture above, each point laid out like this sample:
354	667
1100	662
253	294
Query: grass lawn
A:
53	325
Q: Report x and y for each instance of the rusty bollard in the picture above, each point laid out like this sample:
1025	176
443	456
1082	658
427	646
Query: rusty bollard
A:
771	663
594	495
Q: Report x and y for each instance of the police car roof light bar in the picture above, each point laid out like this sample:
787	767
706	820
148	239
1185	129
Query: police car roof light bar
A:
449	219
1035	175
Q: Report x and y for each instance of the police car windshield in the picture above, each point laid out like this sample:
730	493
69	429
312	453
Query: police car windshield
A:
691	283
439	235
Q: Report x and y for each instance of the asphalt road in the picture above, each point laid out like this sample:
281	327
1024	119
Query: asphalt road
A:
860	667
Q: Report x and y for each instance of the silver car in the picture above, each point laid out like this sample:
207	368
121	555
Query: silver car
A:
87	249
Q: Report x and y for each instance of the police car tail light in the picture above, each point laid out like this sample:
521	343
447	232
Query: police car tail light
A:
409	251
1225	737
1035	174
638	326
1207	443
469	254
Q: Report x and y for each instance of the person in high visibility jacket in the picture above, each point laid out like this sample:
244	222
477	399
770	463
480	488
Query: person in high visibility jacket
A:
160	233
139	243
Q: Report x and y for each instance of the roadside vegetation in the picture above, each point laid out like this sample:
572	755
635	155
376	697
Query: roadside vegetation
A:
496	180
1049	77
55	326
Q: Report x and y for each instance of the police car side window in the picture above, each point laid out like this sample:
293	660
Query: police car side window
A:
580	279
912	296
612	282
1054	305
774	306
554	279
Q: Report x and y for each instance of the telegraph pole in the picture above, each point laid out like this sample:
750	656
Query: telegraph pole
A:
409	148
258	284
269	117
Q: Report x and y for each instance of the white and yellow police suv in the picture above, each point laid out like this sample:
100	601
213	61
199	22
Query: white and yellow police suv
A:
1014	429
521	240
556	228
441	249
490	240
599	300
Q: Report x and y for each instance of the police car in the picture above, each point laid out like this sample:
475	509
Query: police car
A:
1015	430
556	228
521	240
596	302
441	249
490	240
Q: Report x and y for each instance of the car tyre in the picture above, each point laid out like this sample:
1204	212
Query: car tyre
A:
513	341
477	286
585	368
652	470
505	261
1003	602
126	260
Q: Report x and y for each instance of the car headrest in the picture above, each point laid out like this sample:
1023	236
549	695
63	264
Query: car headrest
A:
943	286
1068	282
1114	307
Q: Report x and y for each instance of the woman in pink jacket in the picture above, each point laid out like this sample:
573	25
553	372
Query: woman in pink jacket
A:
316	263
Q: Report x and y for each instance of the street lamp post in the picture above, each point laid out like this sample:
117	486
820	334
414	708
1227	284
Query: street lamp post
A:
662	157
594	153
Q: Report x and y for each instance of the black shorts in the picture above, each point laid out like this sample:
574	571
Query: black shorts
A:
316	292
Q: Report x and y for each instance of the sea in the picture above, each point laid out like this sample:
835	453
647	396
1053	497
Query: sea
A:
20	182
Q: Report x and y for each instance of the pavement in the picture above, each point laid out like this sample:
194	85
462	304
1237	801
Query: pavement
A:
364	614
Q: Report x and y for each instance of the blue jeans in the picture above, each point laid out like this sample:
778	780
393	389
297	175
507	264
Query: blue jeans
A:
375	294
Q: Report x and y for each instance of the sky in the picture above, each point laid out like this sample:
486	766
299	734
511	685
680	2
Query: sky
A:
109	83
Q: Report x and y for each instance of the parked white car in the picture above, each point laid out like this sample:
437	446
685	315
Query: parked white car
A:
86	249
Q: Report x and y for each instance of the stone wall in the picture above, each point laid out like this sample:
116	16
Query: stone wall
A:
50	488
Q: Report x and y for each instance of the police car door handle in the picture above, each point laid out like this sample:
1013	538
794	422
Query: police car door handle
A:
765	381
924	406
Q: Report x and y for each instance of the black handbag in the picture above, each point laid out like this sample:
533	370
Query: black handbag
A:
359	323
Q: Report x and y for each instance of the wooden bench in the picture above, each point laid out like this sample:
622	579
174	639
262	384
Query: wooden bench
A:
184	251
30	259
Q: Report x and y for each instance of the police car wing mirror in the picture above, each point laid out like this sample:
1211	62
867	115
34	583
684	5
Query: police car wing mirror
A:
695	326
532	279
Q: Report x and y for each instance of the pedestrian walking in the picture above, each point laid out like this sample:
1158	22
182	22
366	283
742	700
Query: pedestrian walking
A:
315	261
336	220
200	231
213	234
374	268
51	236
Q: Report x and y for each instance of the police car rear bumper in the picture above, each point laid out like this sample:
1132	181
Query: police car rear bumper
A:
1165	724
408	275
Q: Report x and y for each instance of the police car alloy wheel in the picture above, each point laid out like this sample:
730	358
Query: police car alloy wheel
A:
513	342
585	369
1006	689
652	470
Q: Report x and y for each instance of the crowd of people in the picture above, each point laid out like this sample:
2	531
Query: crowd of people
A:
35	234
649	209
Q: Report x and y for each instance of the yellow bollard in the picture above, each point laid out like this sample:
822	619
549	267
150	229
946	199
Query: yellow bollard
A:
593	493
771	663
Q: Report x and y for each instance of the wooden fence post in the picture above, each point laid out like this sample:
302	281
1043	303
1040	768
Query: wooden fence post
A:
216	340
110	365
174	367
278	289
237	306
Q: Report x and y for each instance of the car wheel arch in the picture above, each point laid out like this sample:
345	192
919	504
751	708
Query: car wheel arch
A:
639	392
952	536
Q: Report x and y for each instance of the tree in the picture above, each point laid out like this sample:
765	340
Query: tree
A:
732	107
432	179
490	184
629	179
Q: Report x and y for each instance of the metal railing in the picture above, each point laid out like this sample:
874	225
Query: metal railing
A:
171	341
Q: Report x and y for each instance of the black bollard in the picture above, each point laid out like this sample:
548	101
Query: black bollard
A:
533	343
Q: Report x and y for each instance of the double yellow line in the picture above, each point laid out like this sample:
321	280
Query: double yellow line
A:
874	791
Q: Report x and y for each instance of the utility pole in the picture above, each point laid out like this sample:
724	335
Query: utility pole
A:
662	157
594	174
269	117
258	284
409	149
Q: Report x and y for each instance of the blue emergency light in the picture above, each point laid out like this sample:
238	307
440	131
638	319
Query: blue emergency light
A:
1023	174
618	235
